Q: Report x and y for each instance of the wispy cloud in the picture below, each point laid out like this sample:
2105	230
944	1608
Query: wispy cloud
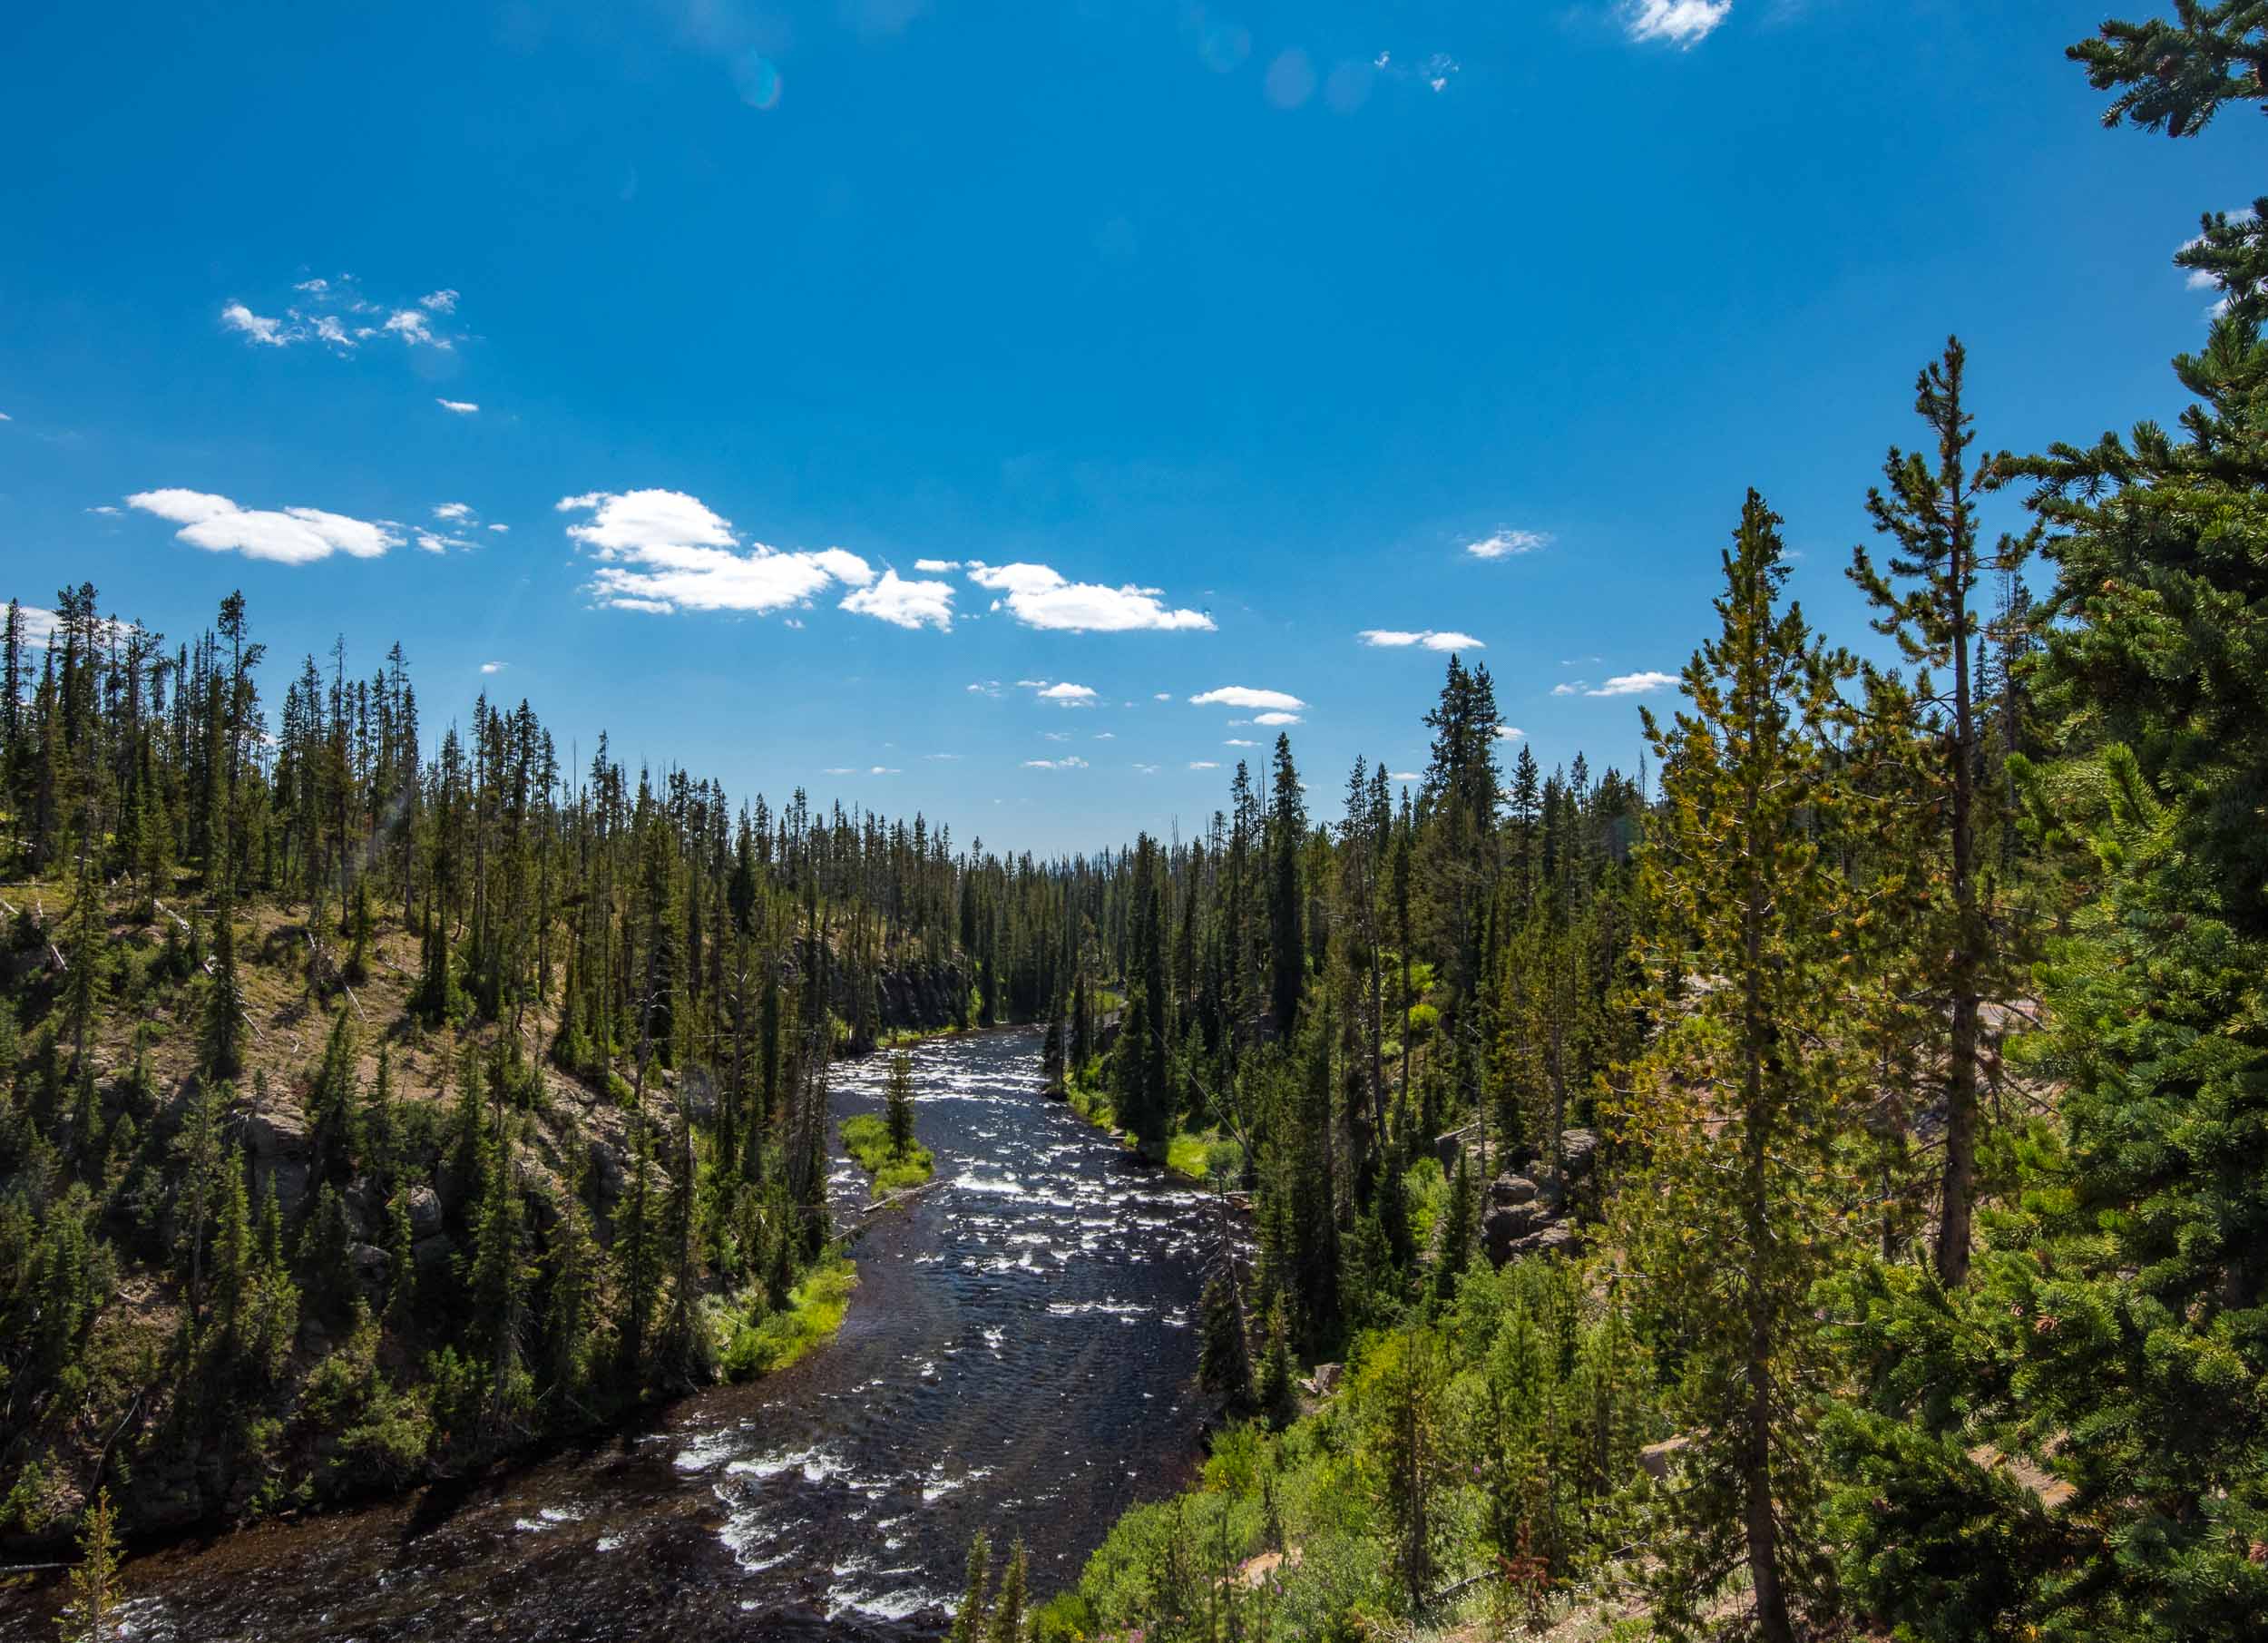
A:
1680	22
1041	597
1275	719
664	551
1509	732
986	687
1396	639
1205	764
1069	762
1504	542
335	313
1245	696
291	536
457	407
256	327
494	667
936	567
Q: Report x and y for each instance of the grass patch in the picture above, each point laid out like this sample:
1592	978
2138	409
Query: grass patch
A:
753	1346
1093	1102
866	1137
1187	1154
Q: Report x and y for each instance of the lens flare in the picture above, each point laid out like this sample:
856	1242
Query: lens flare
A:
757	78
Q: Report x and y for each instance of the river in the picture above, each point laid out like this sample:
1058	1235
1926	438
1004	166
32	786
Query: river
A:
1018	1358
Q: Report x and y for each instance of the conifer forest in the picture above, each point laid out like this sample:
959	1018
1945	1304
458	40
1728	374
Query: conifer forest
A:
1809	1184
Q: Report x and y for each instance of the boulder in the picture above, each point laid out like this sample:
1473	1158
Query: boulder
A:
1579	1150
1505	1227
369	1263
1510	1188
280	1147
1556	1239
425	1212
433	1252
366	1210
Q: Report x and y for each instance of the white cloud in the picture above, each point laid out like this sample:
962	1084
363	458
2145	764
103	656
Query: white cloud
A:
1572	687
1509	732
1679	22
457	407
453	511
1633	684
665	551
493	667
884	770
428	542
1040	597
1400	639
1273	719
1055	736
105	510
1106	736
1244	696
1163	696
410	325
5	417
838	770
1069	762
439	302
1205	764
256	328
1505	542
1066	694
292	536
904	604
936	567
500	530
985	687
1239	742
1405	776
1145	769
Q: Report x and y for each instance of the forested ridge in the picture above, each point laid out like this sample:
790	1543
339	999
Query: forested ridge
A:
1814	1184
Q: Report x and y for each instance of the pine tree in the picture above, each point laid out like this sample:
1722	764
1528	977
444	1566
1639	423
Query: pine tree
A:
1223	1364
333	1108
1740	1103
968	1621
900	1107
1007	1624
90	1616
224	1000
1929	511
1288	947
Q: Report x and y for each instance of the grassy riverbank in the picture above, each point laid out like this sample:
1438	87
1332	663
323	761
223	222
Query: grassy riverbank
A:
751	1345
1193	1154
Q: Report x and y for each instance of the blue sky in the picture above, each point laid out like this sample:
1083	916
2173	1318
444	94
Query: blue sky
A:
1274	311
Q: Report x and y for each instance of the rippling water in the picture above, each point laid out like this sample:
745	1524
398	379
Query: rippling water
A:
1017	1358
